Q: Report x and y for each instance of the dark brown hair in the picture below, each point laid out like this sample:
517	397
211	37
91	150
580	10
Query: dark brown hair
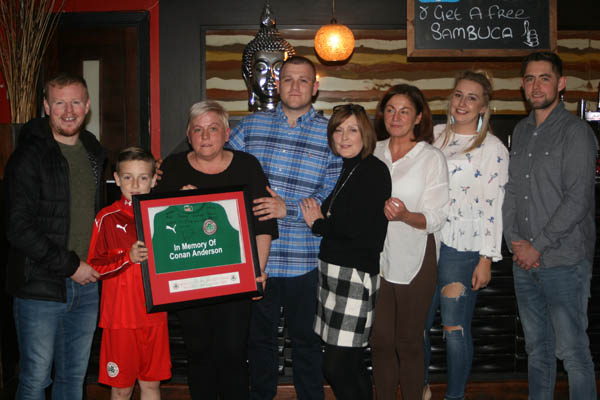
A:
423	131
547	56
298	60
135	153
342	113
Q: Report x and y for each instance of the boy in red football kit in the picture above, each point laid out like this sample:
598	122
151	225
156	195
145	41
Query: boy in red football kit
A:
135	344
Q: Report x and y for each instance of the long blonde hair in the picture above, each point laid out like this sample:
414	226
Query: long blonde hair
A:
484	79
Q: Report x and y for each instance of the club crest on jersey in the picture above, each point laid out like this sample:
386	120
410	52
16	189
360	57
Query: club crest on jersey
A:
188	208
112	369
209	227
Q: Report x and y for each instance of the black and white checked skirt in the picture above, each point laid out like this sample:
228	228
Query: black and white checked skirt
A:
345	305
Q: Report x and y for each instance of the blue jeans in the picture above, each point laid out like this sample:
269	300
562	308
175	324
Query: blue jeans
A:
553	309
454	267
298	296
61	333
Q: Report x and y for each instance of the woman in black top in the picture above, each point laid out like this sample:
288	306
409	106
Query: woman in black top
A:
353	226
215	335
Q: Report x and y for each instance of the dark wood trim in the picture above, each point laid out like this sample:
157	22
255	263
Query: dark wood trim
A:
140	20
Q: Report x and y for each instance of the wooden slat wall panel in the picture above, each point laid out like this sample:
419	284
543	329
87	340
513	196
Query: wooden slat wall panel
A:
379	61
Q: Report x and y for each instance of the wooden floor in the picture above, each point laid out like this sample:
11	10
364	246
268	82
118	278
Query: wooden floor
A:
513	390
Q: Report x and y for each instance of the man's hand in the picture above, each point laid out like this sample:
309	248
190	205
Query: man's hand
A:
85	274
159	172
138	252
525	255
269	207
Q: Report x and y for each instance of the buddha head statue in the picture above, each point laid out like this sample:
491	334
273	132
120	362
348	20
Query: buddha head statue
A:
261	61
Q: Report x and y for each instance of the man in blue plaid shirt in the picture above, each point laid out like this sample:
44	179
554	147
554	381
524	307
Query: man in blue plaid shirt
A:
291	144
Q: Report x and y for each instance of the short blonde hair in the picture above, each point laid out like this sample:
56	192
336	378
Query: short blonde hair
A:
205	106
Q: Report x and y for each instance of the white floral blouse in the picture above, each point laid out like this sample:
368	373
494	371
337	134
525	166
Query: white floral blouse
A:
476	192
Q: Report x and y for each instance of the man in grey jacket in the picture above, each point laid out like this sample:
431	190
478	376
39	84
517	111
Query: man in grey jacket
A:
549	227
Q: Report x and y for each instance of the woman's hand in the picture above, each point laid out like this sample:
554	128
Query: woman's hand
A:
395	210
138	252
311	211
263	280
482	274
188	187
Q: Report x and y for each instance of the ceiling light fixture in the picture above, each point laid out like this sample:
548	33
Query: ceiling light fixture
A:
334	42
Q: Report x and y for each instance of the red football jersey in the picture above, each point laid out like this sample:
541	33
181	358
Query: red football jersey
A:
123	304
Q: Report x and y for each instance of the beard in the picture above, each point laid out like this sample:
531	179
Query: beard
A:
546	103
66	132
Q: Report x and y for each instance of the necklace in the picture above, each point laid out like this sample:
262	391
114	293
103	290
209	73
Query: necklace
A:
337	190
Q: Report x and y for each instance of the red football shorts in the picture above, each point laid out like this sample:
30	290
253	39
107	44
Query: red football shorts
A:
130	354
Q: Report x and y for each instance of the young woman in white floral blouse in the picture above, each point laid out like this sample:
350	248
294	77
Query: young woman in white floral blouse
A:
471	238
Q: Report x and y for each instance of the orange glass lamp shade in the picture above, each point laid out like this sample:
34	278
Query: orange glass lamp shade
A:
334	42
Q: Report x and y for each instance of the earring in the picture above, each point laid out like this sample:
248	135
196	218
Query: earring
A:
480	123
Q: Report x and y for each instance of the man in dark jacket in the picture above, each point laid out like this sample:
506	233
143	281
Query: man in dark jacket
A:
53	190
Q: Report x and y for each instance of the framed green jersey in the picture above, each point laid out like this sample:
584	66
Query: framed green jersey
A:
201	246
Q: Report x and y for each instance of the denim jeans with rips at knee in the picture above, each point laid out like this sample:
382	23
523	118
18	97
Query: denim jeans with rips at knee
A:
54	333
553	309
455	267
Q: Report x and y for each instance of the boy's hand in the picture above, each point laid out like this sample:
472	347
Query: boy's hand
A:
138	252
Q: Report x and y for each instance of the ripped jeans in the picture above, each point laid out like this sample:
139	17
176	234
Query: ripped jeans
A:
454	267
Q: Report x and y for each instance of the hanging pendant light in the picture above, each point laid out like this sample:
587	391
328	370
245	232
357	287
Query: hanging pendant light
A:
334	42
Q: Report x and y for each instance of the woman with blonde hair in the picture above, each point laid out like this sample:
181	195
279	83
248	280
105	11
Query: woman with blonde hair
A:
216	334
471	238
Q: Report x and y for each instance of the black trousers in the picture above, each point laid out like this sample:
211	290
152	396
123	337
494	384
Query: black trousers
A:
216	341
298	296
346	372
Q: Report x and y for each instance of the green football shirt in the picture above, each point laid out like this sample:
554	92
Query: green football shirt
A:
194	236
